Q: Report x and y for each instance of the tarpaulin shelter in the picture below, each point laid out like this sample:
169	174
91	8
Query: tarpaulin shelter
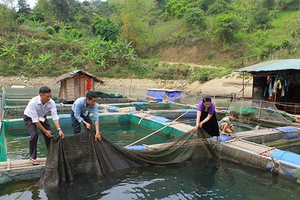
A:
75	84
164	94
277	81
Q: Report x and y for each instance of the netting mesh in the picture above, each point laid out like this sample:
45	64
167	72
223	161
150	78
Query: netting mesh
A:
260	112
239	156
81	154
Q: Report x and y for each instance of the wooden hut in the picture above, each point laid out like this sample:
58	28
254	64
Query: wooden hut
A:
277	81
75	84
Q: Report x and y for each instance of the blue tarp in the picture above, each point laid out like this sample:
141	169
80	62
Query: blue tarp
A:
161	119
136	148
287	129
170	95
286	156
139	103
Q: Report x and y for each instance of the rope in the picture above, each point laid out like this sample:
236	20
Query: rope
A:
20	195
276	164
168	124
142	117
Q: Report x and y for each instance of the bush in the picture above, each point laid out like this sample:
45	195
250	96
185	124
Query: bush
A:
289	5
50	30
56	27
226	26
194	17
106	29
262	17
218	7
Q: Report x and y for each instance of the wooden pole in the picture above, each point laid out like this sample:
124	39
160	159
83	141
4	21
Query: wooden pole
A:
243	85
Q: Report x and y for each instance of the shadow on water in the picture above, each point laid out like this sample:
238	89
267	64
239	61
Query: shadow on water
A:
195	179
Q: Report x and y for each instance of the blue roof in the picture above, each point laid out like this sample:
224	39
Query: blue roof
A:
273	65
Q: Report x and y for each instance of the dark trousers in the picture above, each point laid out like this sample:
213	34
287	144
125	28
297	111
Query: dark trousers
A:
75	123
32	129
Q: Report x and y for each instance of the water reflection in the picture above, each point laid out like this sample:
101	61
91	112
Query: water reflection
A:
196	179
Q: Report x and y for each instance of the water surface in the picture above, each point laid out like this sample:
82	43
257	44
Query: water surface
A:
195	179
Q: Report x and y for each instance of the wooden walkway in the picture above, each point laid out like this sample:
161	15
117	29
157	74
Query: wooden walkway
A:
20	164
250	146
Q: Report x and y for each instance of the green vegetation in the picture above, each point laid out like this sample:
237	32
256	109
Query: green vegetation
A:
130	38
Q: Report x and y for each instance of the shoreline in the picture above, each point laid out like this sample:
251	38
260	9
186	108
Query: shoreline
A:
231	84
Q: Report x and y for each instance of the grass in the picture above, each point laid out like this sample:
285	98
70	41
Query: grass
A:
285	23
163	30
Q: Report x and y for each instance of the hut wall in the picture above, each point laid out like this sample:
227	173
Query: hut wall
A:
75	87
80	82
70	90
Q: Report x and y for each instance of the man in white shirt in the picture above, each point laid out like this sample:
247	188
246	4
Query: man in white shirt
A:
35	118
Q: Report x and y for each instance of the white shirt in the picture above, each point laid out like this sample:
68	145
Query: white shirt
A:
36	109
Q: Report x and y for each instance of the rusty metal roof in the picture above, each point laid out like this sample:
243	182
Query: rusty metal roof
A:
76	72
273	65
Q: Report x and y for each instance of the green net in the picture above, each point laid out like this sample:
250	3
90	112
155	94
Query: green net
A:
3	155
260	112
81	154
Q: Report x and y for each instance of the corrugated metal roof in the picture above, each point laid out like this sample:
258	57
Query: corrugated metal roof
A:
273	65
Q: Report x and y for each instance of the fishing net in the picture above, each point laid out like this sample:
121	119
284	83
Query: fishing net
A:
81	154
243	157
260	112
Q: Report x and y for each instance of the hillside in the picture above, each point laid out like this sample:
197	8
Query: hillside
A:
144	40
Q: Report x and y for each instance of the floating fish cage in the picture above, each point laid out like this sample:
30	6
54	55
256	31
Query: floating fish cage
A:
122	122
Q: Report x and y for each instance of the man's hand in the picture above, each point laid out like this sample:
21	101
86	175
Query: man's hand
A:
87	126
48	134
97	137
61	134
196	127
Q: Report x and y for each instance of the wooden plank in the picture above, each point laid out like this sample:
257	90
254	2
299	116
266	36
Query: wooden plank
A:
16	164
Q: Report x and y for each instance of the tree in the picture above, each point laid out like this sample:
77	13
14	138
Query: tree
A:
195	18
6	19
289	5
43	11
218	7
105	28
268	4
135	27
261	17
64	9
225	27
23	6
286	45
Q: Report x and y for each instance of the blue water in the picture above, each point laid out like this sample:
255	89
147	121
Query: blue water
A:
196	179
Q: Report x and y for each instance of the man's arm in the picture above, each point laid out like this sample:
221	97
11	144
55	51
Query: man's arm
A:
57	126
45	131
97	135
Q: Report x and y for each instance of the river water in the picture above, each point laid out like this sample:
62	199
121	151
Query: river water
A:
194	179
